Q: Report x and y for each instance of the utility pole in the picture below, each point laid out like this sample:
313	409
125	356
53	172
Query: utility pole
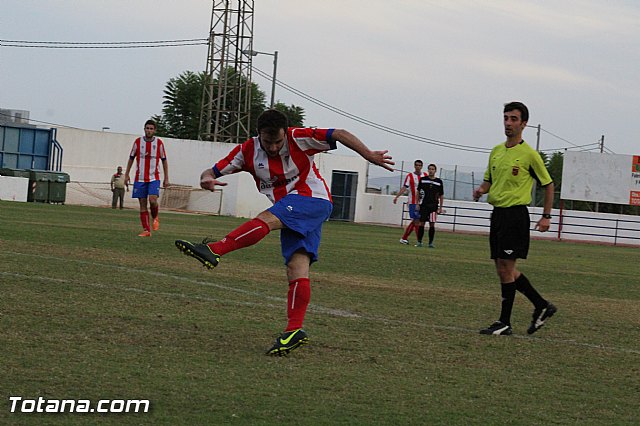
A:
252	53
455	180
601	151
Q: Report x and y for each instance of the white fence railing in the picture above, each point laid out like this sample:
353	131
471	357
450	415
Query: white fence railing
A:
576	225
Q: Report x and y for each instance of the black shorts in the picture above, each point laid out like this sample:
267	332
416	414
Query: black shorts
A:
509	235
428	213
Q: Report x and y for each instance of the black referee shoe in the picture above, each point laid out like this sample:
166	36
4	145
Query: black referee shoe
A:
498	328
540	316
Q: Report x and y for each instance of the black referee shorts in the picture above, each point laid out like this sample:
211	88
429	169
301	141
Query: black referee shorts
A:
509	235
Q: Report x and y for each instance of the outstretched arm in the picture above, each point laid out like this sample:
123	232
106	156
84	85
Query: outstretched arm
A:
208	180
379	158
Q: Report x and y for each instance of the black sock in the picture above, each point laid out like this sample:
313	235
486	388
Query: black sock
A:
508	296
420	233
432	233
524	286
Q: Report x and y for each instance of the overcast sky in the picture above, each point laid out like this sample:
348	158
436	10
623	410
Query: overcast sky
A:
434	68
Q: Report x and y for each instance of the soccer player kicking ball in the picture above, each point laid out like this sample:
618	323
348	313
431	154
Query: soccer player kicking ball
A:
280	159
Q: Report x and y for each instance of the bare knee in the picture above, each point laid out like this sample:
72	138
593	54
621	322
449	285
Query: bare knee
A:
506	270
271	220
143	204
298	265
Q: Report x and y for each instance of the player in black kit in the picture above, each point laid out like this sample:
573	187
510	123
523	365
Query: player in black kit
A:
431	193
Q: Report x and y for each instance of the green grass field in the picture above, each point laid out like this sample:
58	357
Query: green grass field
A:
90	311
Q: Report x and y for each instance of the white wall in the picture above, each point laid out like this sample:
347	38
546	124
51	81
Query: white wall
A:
90	158
14	188
379	209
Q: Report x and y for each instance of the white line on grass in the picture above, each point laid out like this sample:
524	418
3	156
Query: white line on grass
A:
140	290
312	307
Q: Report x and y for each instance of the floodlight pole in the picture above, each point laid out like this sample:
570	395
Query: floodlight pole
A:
275	70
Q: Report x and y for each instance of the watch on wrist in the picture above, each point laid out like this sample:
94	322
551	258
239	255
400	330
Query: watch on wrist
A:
546	215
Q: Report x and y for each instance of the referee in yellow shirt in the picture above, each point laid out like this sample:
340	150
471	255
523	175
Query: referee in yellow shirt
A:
513	167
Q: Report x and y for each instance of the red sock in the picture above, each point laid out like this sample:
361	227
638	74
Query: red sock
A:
144	219
245	235
408	231
154	211
297	302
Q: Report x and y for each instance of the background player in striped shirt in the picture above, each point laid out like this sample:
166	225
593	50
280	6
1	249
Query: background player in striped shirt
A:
410	186
280	159
148	151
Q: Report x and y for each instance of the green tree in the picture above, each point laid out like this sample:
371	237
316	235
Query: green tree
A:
183	99
295	114
181	106
554	166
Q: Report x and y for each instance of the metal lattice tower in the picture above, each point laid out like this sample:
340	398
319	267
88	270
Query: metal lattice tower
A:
226	100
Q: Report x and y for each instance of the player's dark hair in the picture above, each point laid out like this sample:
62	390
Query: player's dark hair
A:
271	121
434	166
519	106
418	162
153	123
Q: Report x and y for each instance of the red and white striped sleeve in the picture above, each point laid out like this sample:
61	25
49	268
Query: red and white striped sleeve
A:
312	140
234	162
135	149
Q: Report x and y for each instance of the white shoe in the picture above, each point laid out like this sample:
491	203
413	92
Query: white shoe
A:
402	241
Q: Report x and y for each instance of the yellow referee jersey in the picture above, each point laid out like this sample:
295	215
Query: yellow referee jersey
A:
511	172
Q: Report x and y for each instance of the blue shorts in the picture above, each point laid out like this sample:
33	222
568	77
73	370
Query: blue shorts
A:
414	213
144	189
303	218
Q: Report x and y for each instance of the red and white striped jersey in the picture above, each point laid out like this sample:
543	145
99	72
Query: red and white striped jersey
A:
148	156
292	172
411	183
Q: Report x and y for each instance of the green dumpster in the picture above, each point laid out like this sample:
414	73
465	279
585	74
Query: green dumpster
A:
14	172
39	184
58	187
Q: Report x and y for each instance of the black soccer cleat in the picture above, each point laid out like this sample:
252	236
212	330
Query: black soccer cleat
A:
202	252
498	328
288	341
540	316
